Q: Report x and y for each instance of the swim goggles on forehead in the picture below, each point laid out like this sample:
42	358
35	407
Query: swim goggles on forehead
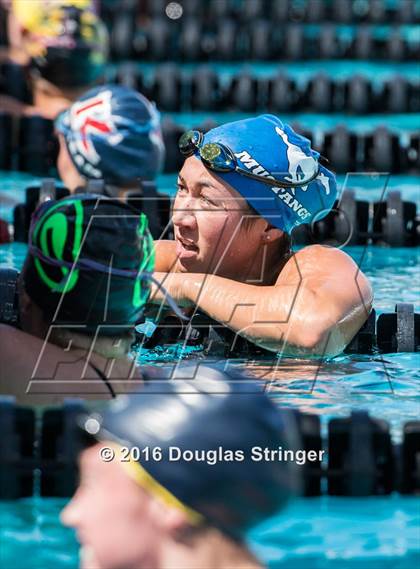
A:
220	158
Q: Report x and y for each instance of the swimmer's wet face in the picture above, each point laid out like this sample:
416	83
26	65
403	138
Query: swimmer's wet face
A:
121	525
213	228
196	520
118	523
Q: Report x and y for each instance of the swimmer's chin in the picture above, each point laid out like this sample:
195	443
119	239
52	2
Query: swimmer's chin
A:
88	559
188	266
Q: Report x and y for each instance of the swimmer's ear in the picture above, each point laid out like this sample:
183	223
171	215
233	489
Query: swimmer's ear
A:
26	306
25	302
271	234
32	319
171	520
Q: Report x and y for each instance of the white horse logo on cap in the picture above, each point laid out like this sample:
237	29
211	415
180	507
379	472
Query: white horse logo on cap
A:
299	160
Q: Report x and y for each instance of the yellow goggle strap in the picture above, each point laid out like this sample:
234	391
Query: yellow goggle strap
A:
137	473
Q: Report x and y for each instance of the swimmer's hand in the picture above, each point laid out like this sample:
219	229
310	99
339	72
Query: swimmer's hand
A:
173	283
15	107
160	312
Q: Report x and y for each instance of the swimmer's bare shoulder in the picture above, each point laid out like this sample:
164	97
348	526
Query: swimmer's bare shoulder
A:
324	264
37	372
165	255
342	291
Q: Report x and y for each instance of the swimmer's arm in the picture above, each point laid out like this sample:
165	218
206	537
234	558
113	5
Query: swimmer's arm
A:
165	255
35	373
15	107
316	307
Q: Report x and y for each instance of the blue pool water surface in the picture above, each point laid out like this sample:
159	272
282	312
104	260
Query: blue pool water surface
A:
313	533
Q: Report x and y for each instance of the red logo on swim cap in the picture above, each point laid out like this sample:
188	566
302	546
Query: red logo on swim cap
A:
92	117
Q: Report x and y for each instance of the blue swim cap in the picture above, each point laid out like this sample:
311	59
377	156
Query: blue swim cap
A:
113	133
268	147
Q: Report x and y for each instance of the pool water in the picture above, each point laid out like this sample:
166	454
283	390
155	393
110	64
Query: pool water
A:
340	533
315	533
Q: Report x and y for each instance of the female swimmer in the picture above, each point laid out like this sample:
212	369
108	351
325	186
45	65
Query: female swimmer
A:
243	188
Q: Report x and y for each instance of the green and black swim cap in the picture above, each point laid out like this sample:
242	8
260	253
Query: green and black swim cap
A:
207	431
89	262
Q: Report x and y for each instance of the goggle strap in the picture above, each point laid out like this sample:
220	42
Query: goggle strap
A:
197	146
91	265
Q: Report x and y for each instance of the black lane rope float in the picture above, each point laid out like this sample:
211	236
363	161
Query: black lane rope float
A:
29	144
205	89
397	331
357	456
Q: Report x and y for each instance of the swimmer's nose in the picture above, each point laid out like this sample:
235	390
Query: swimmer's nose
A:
184	218
70	515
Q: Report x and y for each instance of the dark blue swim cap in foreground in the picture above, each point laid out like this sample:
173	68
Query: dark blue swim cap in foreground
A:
211	414
113	133
266	146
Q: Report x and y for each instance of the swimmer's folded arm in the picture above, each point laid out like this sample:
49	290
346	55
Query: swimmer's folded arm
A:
38	372
319	302
165	255
16	108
